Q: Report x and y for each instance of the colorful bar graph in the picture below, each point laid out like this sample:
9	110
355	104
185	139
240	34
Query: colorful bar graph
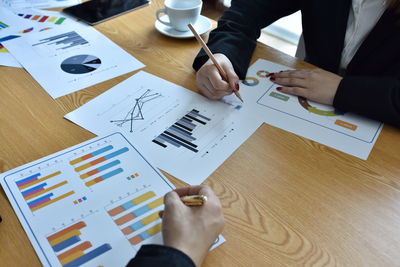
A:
90	155
180	134
131	203
140	211
140	224
51	201
25	183
104	177
101	159
100	169
70	252
146	234
3	25
89	256
41	190
44	18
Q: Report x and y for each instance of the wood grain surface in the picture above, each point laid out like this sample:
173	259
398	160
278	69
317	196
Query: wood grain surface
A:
288	201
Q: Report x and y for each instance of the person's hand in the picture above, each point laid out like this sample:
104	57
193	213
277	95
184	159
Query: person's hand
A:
314	84
210	82
192	230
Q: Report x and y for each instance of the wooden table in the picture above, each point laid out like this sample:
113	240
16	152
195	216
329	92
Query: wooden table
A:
287	200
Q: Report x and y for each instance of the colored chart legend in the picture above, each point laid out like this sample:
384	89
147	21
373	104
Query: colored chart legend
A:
108	169
43	18
133	176
71	250
180	134
26	30
3	25
40	191
131	225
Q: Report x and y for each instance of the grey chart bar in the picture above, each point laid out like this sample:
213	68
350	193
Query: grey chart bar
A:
179	134
64	41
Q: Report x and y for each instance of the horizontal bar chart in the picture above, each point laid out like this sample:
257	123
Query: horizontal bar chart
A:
100	169
101	159
70	250
104	177
140	224
132	203
139	211
145	234
180	133
91	155
40	192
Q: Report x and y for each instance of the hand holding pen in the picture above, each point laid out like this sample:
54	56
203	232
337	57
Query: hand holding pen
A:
216	78
192	229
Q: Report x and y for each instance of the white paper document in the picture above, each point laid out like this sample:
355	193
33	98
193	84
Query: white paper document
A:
38	3
182	132
94	204
343	131
67	59
29	21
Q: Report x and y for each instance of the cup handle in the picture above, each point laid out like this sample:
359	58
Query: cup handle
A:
162	11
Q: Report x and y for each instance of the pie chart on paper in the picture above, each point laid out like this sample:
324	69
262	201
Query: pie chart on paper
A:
80	64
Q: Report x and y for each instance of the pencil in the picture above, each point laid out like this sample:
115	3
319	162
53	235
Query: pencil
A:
210	54
195	200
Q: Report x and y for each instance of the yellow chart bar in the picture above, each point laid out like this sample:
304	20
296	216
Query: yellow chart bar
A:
53	200
40	180
154	230
52	19
143	197
151	218
71	257
46	190
155	203
65	237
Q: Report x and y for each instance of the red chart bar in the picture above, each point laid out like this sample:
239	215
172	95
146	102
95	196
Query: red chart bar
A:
43	19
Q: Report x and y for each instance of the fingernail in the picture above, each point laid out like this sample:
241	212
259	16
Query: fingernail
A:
279	88
237	85
272	78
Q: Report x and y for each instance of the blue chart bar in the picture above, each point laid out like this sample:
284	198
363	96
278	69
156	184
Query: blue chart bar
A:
66	243
28	178
180	134
89	256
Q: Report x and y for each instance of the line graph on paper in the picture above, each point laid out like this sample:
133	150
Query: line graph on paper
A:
137	111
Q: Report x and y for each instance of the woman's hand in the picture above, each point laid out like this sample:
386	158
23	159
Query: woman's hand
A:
192	229
210	82
314	84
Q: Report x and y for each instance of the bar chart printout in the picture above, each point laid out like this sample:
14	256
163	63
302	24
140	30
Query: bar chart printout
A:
40	191
138	222
103	164
180	134
63	41
71	249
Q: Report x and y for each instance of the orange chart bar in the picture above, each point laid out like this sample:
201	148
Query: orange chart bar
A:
75	226
131	203
139	212
101	159
91	155
146	234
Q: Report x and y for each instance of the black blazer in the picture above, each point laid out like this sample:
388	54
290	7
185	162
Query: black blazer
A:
371	83
160	256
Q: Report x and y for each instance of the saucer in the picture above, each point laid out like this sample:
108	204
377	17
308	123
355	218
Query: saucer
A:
202	26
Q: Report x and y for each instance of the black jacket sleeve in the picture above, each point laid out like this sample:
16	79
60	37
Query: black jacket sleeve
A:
239	28
374	97
157	255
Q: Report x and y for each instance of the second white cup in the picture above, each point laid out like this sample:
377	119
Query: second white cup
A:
180	13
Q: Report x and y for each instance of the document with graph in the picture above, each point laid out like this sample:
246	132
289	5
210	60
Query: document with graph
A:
183	133
66	59
344	131
93	204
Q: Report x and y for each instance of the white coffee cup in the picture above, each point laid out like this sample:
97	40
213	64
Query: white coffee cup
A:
180	13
